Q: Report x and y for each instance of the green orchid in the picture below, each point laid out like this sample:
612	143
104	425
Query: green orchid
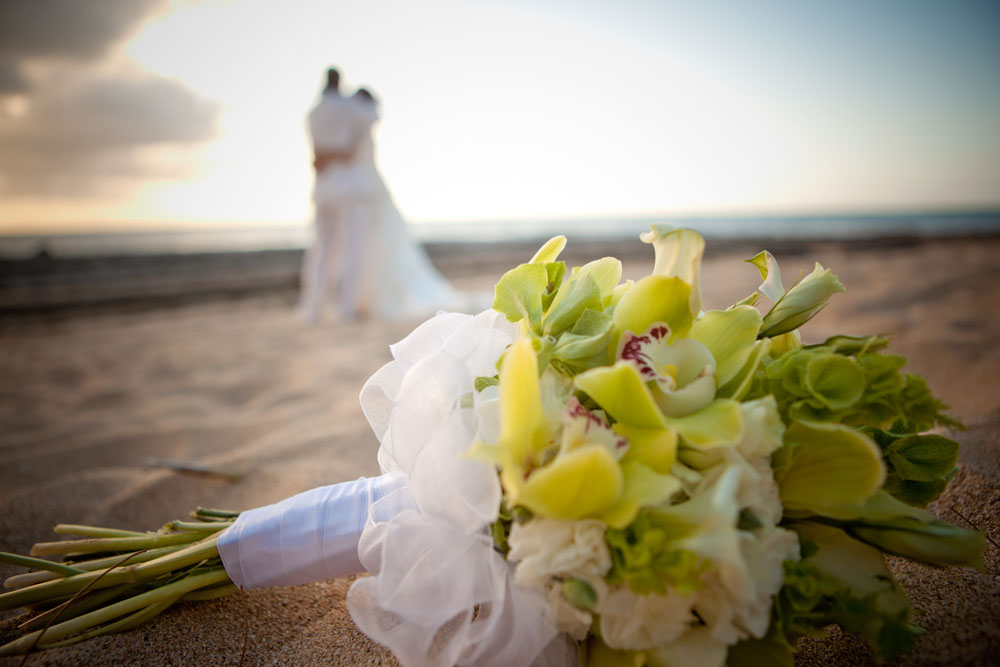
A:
661	386
583	475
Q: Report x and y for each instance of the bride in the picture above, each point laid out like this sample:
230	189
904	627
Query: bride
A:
383	272
398	279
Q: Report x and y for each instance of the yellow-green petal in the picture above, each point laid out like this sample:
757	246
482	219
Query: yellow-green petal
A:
806	298
524	430
827	466
769	273
623	394
549	252
740	384
577	484
678	254
730	336
654	299
606	272
653	447
643	487
720	424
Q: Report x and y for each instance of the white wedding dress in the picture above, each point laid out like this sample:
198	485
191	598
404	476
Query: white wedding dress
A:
397	278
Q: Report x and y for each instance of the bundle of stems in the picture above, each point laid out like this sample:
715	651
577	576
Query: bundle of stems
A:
112	579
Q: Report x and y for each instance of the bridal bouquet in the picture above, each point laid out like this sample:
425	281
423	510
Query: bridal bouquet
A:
594	472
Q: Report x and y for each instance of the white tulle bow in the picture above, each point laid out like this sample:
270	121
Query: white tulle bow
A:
438	594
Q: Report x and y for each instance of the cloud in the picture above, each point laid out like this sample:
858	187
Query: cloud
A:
53	29
72	120
81	135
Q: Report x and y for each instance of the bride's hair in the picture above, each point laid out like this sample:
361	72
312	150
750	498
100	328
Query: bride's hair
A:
365	94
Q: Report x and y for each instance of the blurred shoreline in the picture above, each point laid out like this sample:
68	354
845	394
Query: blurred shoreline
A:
148	269
66	285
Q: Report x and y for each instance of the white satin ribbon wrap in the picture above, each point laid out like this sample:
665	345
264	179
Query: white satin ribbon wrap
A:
312	536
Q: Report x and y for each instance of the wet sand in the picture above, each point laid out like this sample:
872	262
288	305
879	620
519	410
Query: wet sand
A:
88	394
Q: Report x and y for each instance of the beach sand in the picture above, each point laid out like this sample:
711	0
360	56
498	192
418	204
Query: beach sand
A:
241	383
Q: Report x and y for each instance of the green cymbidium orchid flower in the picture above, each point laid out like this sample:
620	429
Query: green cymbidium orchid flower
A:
582	476
661	386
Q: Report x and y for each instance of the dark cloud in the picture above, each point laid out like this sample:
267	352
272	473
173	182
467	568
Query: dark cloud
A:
68	131
34	29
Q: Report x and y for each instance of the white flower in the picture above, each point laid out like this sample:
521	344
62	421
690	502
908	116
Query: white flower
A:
567	618
736	600
758	491
546	548
762	428
630	621
549	552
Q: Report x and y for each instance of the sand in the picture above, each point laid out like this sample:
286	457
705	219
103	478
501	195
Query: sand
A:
241	383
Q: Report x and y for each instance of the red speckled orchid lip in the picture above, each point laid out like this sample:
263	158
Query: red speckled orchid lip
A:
575	410
633	348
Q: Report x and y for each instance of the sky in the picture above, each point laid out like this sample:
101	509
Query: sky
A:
153	114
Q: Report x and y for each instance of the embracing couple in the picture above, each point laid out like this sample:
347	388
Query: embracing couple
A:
362	252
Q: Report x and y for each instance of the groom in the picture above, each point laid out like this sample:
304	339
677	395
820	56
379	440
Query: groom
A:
331	262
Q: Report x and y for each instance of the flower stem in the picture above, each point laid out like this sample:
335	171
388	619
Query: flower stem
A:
98	545
30	578
195	553
199	526
94	531
38	564
157	597
120	625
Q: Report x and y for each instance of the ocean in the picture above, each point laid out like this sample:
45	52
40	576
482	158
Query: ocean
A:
292	237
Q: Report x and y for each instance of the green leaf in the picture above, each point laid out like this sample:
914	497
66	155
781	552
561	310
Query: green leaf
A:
897	528
798	305
484	381
923	458
586	344
847	583
730	336
575	296
917	494
518	294
934	542
556	271
854	345
579	593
